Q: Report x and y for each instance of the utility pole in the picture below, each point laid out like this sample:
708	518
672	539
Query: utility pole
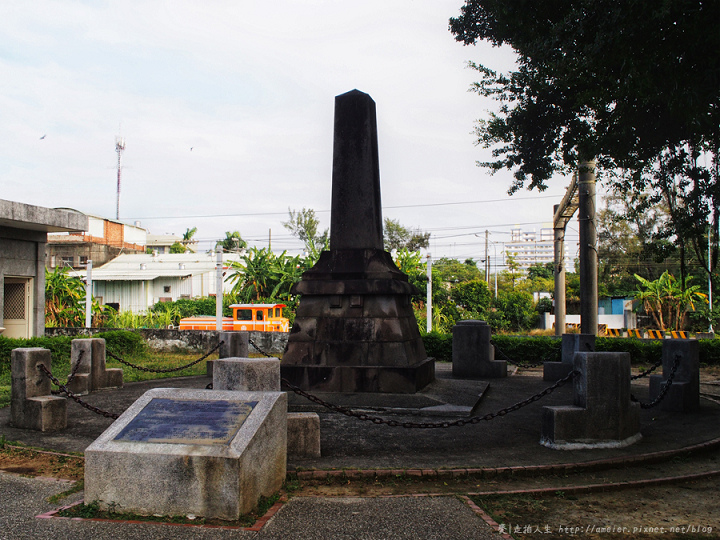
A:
88	296
119	147
588	248
487	261
428	303
219	289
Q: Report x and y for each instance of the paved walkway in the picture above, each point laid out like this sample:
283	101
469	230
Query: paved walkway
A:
347	443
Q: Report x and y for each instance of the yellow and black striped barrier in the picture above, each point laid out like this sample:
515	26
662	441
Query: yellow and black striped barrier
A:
614	332
679	334
656	334
635	332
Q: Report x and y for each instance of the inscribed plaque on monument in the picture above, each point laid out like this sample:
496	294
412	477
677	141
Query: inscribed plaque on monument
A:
187	422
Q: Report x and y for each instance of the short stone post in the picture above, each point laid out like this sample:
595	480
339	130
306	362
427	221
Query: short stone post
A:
92	374
31	405
473	356
303	434
602	415
247	374
571	343
684	393
233	345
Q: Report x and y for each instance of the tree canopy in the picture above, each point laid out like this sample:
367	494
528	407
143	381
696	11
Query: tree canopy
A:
398	237
634	84
621	81
304	225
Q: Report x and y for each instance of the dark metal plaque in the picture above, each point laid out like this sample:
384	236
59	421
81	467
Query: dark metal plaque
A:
187	422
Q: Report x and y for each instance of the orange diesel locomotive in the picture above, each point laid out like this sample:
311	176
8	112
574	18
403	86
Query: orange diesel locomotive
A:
245	318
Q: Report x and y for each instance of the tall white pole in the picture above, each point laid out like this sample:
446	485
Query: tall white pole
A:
429	293
710	329
219	289
88	296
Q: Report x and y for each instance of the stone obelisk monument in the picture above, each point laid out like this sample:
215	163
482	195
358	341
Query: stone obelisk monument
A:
354	329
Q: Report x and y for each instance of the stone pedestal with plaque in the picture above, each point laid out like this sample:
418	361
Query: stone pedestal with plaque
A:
179	452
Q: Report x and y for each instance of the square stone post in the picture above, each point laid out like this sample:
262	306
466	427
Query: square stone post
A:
234	345
602	415
684	393
571	343
473	356
31	405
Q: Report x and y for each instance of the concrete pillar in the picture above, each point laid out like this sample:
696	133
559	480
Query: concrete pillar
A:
473	356
602	415
588	248
684	393
31	405
559	274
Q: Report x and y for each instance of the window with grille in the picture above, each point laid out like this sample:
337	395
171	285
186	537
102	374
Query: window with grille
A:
14	307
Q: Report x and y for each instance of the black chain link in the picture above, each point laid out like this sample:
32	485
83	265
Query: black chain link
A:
647	372
526	365
251	342
68	393
76	367
429	425
664	390
170	370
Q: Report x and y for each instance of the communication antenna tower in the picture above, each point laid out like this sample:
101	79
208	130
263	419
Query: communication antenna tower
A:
119	147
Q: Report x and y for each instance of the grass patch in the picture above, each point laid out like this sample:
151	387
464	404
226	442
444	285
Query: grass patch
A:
512	509
76	488
92	510
151	360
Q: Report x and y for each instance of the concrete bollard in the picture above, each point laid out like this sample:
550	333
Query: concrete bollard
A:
31	405
602	415
684	393
473	356
303	435
91	374
234	345
571	343
247	374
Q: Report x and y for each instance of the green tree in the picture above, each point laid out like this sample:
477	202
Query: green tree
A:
303	224
397	237
474	295
232	242
632	84
178	247
187	239
263	275
512	311
65	301
453	271
667	301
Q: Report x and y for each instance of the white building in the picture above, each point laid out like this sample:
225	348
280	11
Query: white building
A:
137	282
528	248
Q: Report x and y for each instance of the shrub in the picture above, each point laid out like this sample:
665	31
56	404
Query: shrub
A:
123	342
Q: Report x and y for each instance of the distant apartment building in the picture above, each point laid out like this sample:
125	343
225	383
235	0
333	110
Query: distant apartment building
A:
529	247
104	240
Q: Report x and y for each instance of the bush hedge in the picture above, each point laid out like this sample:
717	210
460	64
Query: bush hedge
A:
119	341
533	349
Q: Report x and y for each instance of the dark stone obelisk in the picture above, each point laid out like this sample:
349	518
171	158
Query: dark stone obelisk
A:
355	330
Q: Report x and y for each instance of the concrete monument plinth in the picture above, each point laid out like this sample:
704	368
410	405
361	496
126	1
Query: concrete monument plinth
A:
31	405
232	345
247	374
208	453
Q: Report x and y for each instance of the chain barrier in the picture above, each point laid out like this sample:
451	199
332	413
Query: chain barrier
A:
68	393
526	365
647	371
170	370
664	390
429	425
76	367
251	342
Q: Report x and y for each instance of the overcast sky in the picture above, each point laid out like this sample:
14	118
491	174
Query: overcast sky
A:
226	108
